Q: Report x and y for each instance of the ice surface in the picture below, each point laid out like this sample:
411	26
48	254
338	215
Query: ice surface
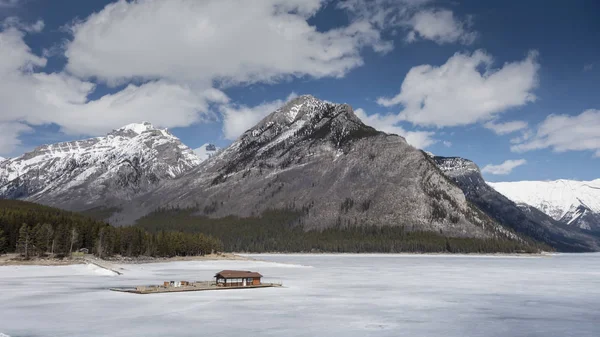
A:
324	295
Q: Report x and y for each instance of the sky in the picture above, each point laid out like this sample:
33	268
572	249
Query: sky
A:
511	85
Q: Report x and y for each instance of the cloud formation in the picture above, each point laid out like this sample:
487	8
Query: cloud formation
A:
417	17
388	123
505	168
226	41
9	133
504	128
31	97
440	26
565	133
15	22
177	53
458	93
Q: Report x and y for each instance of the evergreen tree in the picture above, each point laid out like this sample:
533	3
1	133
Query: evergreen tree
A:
61	238
24	244
2	242
43	238
34	249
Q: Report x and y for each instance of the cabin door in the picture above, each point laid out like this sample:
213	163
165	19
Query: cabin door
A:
244	282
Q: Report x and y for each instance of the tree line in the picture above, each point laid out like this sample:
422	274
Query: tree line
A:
282	231
35	230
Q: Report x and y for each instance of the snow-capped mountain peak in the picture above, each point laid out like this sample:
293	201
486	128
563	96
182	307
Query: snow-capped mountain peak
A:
569	201
124	163
138	128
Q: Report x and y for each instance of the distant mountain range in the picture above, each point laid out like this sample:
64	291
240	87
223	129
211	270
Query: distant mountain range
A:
309	156
522	218
102	171
575	203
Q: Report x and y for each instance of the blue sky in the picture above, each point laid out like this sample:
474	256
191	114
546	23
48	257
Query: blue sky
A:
510	85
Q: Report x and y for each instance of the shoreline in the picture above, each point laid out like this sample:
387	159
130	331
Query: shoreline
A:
13	259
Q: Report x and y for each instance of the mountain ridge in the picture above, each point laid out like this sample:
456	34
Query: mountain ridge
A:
310	148
91	172
522	218
311	157
576	203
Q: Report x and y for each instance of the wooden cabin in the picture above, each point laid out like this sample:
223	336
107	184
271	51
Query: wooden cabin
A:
237	278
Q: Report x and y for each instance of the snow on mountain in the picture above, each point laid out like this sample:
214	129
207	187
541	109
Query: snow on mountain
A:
2	159
319	159
206	151
78	174
569	201
522	218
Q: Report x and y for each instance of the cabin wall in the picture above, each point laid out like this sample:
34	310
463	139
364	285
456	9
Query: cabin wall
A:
256	281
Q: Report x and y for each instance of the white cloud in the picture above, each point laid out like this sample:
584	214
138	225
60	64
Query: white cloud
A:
205	41
388	123
440	26
525	135
239	118
15	22
435	24
457	93
588	67
505	127
383	13
9	133
565	133
504	168
447	143
175	51
37	98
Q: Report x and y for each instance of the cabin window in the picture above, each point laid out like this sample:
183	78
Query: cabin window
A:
250	280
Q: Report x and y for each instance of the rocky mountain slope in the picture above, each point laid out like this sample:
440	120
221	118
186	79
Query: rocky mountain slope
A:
320	159
576	203
206	151
522	218
102	171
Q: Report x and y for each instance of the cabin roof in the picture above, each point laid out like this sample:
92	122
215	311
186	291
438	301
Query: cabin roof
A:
237	274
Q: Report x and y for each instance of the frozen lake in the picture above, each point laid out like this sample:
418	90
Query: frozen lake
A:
324	295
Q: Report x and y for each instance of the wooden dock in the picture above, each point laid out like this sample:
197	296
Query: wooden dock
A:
195	286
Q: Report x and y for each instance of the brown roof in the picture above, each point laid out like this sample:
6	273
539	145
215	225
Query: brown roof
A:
237	274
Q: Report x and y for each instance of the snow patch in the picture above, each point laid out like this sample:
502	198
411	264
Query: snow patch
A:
100	271
138	128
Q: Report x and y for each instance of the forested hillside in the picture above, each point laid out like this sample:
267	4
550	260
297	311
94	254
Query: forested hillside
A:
281	231
32	229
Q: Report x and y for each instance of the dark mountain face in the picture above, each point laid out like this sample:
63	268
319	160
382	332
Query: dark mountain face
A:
583	217
521	218
320	159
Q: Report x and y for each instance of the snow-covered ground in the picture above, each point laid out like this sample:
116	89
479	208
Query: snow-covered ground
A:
324	295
